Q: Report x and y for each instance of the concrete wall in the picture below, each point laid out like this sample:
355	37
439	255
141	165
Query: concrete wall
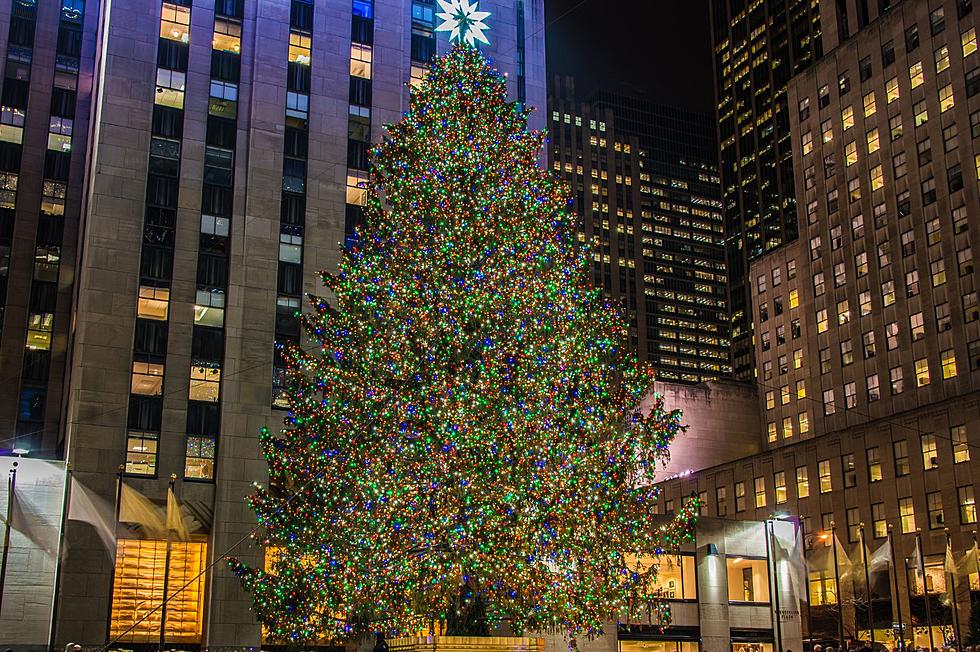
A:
39	493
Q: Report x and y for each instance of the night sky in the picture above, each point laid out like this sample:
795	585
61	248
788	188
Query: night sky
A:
658	48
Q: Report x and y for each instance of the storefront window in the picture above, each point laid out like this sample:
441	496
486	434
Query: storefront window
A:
751	647
658	646
675	575
748	580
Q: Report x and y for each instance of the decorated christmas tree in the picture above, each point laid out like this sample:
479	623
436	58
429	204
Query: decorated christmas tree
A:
464	445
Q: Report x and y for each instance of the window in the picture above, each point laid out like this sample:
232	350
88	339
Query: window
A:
818	284
802	482
675	575
921	372
794	298
850	395
360	60
864	303
846	353
174	22
826	131
874	393
872	140
850	154
779	482
968	39
760	492
299	48
357	191
942	58
915	74
807	143
823	473
906	515
895	378
948	359
930	455
199	458
895	127
824	361
946	100
917	324
205	383
877	178
873	456
847	117
784	395
943	319
891	90
772	432
227	36
921	113
843	84
937	21
869	104
748	580
901	453
847	470
804	422
853	515
868	344
888	293
170	88
829	407
961	447
721	500
934	505
703	502
739	496
141	453
968	505
840	275
937	269
147	379
879	526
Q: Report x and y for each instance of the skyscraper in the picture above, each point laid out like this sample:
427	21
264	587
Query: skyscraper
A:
175	175
645	185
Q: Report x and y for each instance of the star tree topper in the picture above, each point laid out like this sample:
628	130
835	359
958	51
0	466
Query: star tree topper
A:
463	21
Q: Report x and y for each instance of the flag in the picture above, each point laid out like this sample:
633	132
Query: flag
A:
920	568
136	508
968	564
175	519
880	559
88	507
949	564
787	550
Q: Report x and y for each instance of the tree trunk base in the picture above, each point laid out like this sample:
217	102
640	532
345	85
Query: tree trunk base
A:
466	644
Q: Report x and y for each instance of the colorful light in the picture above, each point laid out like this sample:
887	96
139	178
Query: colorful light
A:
463	425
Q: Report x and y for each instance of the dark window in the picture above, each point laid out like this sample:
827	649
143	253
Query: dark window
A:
216	200
290	279
212	271
9	157
865	68
32	404
145	413
955	178
150	341
156	263
221	132
56	165
202	418
937	20
911	38
161	191
361	29
887	54
293	209
207	346
37	364
357	154
230	8
963	8
49	230
167	122
172	54
225	66
423	47
63	102
44	297
287	325
296	142
15	93
21	31
70	42
972	82
298	77
301	15
360	91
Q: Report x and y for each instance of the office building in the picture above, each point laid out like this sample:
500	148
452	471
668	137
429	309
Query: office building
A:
644	182
867	326
175	175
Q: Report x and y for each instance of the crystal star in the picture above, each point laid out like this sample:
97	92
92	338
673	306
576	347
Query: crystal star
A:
463	21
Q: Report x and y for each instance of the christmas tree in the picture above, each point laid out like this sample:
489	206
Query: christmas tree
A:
464	445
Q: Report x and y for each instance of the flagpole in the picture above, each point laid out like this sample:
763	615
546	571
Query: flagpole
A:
837	589
166	572
921	561
806	570
11	483
976	560
771	549
56	599
952	593
115	533
867	585
898	594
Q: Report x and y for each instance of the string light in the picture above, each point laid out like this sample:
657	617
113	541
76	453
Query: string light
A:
464	425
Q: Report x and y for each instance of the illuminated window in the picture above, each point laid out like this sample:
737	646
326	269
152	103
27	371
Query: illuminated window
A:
794	298
227	36
779	482
949	364
205	384
872	140
153	303
802	482
721	500
147	379
748	580
869	104
784	395
209	309
969	41
141	453
877	178
418	74
770	400
942	58
921	372
873	456
888	292
915	74
920	113
822	321
199	458
847	117
879	525
797	358
891	90
961	447
773	433
170	88
807	143
826	131
930	454
357	193
946	100
823	587
804	423
934	506
175	23
675	575
138	582
360	60
850	154
739	496
823	473
299	48
39	327
968	505
906	514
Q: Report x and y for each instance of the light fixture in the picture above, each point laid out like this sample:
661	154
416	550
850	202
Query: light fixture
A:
737	560
21	452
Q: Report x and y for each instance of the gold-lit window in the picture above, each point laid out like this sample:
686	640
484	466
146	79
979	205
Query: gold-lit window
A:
794	298
418	75
942	59
891	90
807	143
147	379
205	384
948	359
360	60
356	194
8	189
906	515
823	473
153	303
847	117
141	452
916	76
199	458
39	326
138	585
877	178
175	23
748	580
869	104
921	372
969	41
170	88
872	138
804	422
227	36
299	48
850	154
946	100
